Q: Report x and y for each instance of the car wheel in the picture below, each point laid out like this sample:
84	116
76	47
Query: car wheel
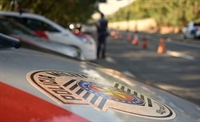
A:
198	38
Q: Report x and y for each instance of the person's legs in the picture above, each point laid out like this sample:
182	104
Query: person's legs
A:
98	49
99	46
104	49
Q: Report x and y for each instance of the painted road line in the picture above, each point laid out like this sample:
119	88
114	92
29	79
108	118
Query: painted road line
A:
181	55
128	73
110	60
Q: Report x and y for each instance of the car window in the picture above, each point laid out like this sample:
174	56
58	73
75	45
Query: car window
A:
14	18
8	26
37	25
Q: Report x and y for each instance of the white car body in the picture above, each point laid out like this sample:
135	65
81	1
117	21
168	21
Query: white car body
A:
197	34
16	30
187	31
57	47
63	35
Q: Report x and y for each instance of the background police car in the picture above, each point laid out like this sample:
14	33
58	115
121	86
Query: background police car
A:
49	29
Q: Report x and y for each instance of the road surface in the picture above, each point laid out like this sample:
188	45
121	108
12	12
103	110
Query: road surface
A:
177	70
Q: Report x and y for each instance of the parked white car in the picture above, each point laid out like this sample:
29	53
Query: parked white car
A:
49	29
16	30
191	30
197	34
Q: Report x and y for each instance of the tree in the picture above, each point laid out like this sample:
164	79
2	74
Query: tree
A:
166	12
61	11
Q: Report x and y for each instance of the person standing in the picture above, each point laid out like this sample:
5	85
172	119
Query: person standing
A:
102	33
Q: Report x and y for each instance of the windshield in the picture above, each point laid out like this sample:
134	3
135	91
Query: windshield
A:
10	27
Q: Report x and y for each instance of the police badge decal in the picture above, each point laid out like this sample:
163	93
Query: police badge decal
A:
69	88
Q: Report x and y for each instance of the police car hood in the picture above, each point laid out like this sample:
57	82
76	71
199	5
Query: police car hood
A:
36	86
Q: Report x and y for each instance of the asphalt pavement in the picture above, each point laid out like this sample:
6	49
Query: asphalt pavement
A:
176	71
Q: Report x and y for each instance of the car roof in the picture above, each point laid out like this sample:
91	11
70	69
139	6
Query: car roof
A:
34	16
19	14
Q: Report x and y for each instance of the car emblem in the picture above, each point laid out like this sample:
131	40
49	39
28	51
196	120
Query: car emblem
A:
69	88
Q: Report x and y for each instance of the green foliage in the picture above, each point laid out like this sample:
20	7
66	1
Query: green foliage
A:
103	1
61	11
165	12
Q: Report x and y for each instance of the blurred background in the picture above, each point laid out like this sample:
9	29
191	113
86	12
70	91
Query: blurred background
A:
148	15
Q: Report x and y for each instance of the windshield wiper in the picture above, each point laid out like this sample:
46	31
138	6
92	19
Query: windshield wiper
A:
6	42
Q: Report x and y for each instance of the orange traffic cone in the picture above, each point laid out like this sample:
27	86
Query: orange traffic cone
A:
161	47
116	36
144	43
135	40
112	33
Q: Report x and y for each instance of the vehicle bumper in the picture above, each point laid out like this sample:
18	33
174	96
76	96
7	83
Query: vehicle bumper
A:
90	54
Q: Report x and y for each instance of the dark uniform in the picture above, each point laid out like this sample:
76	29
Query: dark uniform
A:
102	35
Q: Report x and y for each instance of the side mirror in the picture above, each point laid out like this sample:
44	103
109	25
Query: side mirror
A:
7	41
